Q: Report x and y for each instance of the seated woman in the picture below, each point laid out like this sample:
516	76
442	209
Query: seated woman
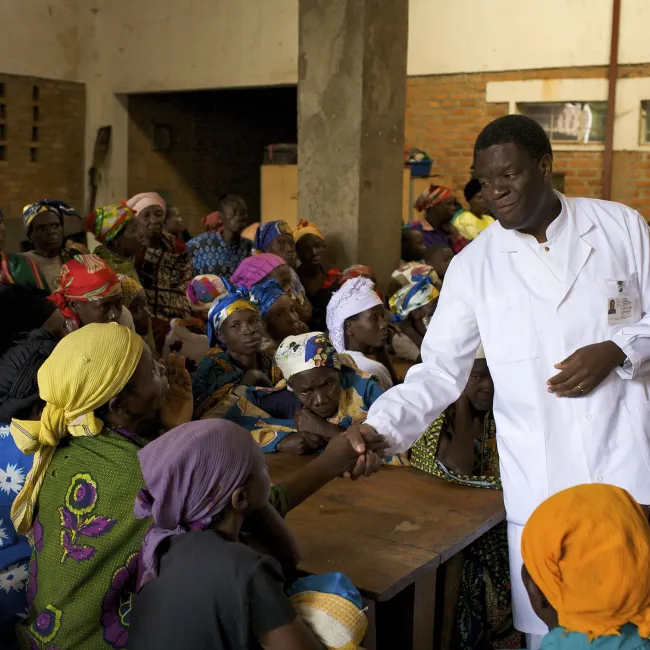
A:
586	553
120	236
235	356
199	523
134	299
439	206
310	247
188	336
276	237
19	398
471	223
412	261
257	268
278	313
16	268
163	267
461	447
90	293
413	306
325	395
358	327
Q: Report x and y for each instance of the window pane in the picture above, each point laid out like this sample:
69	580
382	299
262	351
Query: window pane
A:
645	122
569	122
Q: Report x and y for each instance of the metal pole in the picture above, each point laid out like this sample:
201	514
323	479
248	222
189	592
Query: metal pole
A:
611	101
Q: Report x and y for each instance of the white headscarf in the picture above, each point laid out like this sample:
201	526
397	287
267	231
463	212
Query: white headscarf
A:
304	352
355	296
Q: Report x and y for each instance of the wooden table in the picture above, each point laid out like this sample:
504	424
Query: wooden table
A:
389	533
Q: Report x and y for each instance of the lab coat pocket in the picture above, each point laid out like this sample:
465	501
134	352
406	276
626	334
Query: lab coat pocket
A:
639	423
507	329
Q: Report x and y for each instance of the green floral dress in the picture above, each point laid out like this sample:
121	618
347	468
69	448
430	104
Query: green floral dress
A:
484	615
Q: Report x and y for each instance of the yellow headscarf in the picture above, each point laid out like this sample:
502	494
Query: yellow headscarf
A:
86	369
588	549
305	227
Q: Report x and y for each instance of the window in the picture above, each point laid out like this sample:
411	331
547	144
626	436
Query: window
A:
35	114
3	131
569	122
34	134
33	154
35	93
3	152
645	122
3	111
2	90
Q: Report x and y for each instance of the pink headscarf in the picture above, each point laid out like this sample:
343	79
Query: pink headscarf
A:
190	475
139	202
254	269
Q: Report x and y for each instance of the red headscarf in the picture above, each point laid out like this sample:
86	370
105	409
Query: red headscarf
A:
84	279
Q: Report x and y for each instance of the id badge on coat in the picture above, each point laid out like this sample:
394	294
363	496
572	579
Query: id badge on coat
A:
622	305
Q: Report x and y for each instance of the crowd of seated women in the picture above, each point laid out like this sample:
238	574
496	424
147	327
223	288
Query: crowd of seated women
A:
141	385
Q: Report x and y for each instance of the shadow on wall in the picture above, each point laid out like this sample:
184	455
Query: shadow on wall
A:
195	146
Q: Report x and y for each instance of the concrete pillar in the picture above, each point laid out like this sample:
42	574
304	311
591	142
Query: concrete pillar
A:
351	106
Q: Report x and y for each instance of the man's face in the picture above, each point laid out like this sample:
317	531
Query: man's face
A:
234	215
513	184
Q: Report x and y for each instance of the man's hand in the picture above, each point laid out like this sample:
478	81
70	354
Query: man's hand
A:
177	406
585	369
371	447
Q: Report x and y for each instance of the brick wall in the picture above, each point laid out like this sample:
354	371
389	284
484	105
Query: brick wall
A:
445	113
218	139
50	166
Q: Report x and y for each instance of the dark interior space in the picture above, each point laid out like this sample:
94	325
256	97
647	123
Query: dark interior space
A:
193	147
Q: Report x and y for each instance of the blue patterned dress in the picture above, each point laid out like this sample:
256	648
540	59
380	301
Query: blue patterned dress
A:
14	548
211	254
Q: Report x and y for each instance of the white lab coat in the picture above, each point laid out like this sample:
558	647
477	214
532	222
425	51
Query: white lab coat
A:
499	292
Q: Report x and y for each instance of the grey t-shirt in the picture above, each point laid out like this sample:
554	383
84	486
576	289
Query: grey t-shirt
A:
210	594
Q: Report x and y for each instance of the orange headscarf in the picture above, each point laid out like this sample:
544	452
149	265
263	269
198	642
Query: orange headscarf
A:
588	549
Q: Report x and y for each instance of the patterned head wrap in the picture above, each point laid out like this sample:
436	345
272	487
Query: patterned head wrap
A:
265	294
190	475
140	202
130	289
355	296
85	279
18	368
59	208
306	228
212	221
87	368
229	303
588	550
331	605
304	352
255	268
433	196
418	293
354	272
108	222
203	290
267	232
472	189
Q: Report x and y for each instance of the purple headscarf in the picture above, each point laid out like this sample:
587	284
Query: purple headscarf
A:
254	269
190	475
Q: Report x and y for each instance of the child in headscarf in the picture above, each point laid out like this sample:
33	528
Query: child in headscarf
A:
413	306
586	553
197	579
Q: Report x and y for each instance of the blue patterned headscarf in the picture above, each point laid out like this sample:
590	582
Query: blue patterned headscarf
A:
421	291
59	208
267	232
304	352
264	294
235	300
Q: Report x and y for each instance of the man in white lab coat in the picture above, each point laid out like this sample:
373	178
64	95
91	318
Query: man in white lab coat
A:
558	292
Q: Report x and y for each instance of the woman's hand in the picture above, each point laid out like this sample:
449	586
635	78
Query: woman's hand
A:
307	422
178	405
299	444
256	378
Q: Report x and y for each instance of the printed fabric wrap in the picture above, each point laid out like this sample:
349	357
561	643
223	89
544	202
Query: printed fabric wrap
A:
264	295
331	605
85	279
108	222
203	290
435	195
421	291
304	352
235	300
267	232
59	208
86	369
